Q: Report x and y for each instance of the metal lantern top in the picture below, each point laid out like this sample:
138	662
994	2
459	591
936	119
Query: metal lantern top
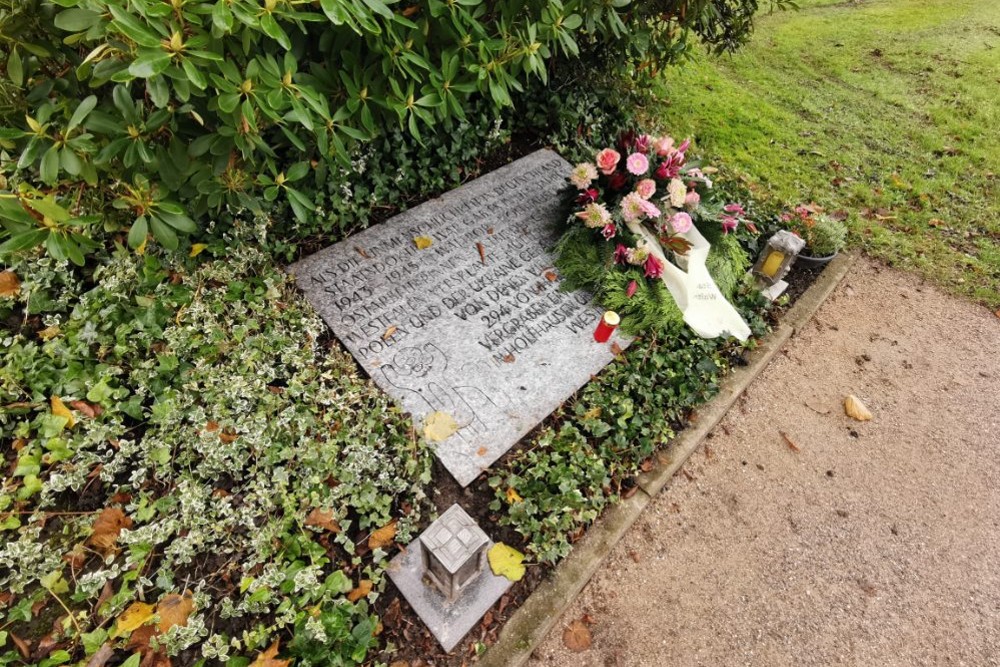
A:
454	538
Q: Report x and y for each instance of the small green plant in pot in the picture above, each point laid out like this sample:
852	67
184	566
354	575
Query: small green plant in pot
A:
824	235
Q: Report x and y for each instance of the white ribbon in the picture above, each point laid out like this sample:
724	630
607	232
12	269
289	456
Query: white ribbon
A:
704	307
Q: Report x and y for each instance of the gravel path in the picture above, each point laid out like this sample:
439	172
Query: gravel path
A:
876	543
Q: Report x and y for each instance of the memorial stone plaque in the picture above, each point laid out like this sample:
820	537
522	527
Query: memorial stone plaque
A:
473	325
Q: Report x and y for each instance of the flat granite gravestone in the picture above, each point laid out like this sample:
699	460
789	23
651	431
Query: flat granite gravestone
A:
474	325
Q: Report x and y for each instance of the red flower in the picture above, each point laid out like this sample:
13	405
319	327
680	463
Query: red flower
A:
632	287
616	181
588	196
621	254
609	231
653	267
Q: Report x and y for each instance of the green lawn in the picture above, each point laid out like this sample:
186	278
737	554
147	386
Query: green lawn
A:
885	109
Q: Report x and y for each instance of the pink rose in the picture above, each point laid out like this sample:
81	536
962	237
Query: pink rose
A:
691	200
607	160
637	164
681	222
646	188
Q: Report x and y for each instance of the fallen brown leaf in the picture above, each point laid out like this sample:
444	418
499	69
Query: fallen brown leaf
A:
320	518
551	276
23	647
576	636
86	408
174	609
383	537
361	251
616	349
482	252
389	332
212	426
101	657
508	358
363	589
9	284
482	451
107	527
269	658
228	437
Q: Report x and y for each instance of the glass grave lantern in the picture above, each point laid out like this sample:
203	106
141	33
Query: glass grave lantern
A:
453	551
777	257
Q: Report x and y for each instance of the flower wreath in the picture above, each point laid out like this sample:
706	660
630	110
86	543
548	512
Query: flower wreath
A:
647	180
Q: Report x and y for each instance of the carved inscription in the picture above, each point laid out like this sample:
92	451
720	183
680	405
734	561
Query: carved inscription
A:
474	325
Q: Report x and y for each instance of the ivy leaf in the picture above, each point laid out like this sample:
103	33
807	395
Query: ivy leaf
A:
506	561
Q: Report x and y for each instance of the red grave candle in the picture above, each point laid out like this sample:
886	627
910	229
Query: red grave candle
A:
609	322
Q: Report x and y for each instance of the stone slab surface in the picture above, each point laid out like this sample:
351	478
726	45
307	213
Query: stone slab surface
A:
447	621
475	325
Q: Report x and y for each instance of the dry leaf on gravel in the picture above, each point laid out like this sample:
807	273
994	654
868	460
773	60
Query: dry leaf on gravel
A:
439	426
383	537
576	636
791	443
174	609
854	408
133	617
269	658
107	527
363	589
506	561
319	518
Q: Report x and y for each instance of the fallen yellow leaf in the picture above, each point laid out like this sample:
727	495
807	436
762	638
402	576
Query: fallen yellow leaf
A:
363	589
423	242
506	561
854	408
60	410
383	537
141	249
196	249
48	333
133	617
9	284
513	496
439	426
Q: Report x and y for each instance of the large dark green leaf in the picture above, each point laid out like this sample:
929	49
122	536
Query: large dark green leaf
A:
149	62
76	19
